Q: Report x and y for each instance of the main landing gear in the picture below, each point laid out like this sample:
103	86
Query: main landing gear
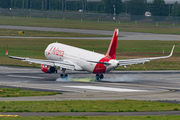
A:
63	75
99	77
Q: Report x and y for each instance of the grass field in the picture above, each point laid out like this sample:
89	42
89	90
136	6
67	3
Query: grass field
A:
129	26
15	92
31	33
86	106
34	48
168	117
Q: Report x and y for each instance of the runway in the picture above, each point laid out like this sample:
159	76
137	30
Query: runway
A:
124	35
134	85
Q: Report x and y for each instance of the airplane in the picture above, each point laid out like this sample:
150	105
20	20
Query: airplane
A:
72	58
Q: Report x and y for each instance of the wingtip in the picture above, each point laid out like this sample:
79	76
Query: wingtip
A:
172	50
173	46
117	30
7	50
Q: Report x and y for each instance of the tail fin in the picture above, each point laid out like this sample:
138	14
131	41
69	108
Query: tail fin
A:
111	53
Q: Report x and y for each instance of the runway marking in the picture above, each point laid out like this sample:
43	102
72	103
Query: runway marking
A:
25	76
106	88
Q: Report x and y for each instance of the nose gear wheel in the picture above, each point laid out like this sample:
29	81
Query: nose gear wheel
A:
63	75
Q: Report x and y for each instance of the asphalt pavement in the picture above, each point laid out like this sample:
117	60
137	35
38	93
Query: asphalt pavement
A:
124	35
159	113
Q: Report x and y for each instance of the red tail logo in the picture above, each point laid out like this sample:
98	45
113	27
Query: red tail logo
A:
111	53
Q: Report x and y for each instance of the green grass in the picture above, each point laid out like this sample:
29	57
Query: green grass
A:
124	26
86	106
167	117
31	33
15	92
34	48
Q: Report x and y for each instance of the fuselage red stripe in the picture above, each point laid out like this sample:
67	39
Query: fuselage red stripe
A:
101	68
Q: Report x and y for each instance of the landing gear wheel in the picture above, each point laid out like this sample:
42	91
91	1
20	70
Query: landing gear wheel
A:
97	77
64	76
101	76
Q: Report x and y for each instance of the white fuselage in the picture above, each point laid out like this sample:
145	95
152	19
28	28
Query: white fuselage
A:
78	57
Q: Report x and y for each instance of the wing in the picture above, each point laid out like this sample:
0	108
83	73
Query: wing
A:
61	64
142	60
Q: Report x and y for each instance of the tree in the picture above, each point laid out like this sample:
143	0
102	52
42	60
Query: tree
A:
159	8
175	9
137	7
5	3
109	6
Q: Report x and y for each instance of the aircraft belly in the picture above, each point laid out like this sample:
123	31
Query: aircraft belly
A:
108	68
89	68
86	65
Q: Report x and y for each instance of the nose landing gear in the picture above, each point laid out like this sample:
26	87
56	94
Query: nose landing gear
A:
63	75
99	77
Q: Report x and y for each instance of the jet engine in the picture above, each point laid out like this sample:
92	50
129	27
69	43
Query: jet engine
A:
48	69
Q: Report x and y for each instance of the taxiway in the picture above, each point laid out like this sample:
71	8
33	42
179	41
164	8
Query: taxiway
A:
124	35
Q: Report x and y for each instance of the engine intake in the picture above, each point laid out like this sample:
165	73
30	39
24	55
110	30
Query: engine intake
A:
48	69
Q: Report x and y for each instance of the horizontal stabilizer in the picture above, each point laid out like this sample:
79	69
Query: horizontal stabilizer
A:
106	63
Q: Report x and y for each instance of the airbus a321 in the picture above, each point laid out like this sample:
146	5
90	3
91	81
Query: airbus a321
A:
64	57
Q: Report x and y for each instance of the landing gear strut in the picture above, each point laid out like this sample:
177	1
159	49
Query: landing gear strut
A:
63	75
99	77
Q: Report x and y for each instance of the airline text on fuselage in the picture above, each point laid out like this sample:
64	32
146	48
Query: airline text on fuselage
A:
56	51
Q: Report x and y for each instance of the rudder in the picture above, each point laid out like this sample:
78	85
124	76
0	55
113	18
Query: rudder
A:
111	53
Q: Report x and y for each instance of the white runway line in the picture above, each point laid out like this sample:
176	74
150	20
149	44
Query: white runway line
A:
106	88
25	76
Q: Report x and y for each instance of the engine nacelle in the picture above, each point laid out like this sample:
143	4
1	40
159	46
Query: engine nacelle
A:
48	69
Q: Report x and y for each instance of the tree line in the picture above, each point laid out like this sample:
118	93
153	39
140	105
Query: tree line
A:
133	7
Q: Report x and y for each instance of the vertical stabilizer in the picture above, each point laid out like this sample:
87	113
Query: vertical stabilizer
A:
111	53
